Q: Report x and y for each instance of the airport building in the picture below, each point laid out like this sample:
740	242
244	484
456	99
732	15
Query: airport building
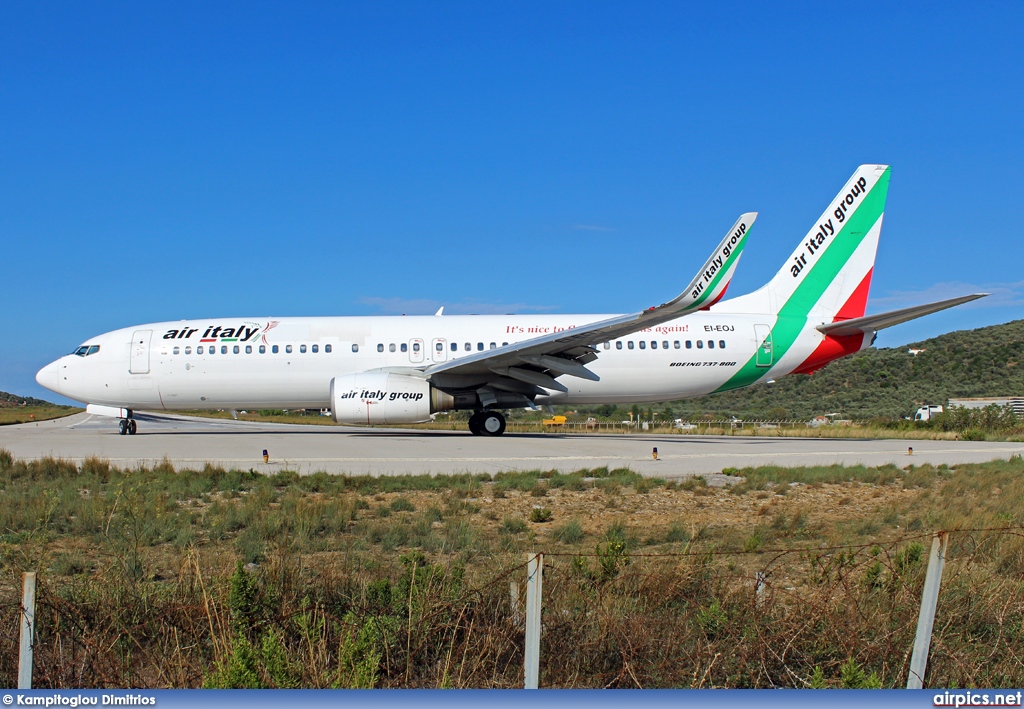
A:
1015	402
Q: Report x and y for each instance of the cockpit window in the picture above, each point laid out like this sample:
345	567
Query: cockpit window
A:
94	349
81	351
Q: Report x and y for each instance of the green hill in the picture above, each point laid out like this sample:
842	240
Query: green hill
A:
885	382
12	400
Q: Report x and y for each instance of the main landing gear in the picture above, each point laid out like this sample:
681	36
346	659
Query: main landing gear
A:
127	427
487	423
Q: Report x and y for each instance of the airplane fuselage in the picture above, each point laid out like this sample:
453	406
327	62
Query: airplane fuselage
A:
237	363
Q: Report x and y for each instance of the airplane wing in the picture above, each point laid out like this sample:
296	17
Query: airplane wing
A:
530	366
894	317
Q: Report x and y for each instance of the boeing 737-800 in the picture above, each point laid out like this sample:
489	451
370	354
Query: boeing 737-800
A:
394	370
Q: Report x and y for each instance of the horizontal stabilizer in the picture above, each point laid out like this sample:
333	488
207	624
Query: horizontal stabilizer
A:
895	317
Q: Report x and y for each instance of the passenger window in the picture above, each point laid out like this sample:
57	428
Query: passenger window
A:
439	347
629	344
288	349
404	347
235	349
455	347
643	345
479	347
711	344
654	344
494	346
275	349
248	349
176	350
468	347
676	344
188	350
504	344
355	348
315	348
391	347
700	344
263	349
664	345
721	344
93	350
199	349
327	349
380	348
302	349
618	344
223	349
689	345
415	347
606	345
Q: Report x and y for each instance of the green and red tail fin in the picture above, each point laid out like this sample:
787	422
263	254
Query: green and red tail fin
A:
829	274
827	277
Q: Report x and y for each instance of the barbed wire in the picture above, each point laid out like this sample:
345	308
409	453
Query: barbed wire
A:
785	550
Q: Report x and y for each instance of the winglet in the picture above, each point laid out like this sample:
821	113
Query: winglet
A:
710	283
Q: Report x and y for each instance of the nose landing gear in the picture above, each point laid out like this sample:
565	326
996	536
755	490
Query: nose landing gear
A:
487	423
127	427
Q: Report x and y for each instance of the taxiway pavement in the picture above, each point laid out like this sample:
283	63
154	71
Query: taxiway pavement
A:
192	442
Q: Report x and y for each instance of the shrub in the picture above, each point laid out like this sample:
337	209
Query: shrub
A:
692	483
540	515
569	533
402	504
513	525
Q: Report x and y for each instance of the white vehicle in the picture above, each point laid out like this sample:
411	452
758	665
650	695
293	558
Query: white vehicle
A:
925	413
376	370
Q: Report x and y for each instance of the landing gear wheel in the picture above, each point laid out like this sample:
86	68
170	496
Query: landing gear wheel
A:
475	423
492	423
122	426
132	427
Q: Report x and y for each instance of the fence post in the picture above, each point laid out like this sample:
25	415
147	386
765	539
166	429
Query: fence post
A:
531	661
513	589
926	619
28	629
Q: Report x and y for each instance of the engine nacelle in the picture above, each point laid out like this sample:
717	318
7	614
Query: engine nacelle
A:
385	397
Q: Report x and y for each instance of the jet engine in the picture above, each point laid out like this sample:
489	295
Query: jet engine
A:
385	397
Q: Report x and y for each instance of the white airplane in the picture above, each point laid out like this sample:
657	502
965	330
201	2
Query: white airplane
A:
394	370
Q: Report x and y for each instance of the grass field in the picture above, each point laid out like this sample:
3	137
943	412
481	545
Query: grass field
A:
28	414
180	578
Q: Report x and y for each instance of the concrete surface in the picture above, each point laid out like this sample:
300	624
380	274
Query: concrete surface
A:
191	442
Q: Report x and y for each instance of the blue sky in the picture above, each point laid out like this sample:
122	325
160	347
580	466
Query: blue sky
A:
174	160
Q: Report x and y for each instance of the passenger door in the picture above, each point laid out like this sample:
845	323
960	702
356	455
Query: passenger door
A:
139	363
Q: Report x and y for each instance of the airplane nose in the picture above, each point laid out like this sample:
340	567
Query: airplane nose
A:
49	377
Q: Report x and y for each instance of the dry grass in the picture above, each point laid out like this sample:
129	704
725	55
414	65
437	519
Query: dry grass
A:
28	414
164	578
